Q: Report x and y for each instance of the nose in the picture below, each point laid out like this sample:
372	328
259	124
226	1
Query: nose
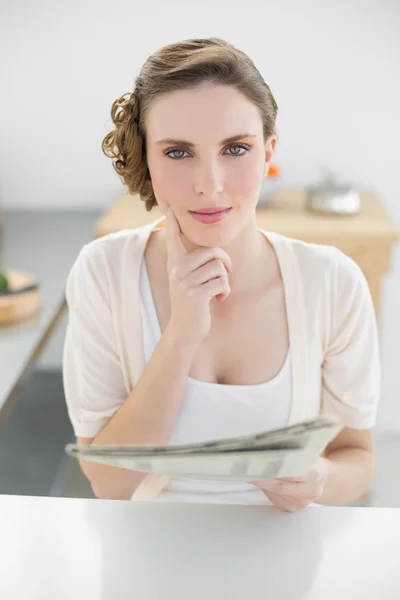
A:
208	180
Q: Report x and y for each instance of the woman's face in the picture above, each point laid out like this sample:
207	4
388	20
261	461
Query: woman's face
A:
206	152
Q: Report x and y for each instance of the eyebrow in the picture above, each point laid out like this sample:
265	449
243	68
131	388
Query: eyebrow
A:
233	138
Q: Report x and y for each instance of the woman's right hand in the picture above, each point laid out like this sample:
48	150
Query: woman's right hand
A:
195	278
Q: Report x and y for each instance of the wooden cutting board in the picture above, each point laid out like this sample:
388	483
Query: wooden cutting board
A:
23	300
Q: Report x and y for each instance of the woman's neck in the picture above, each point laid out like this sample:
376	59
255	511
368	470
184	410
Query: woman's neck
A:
248	251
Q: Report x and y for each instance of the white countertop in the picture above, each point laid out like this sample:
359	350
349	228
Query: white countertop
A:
44	243
73	549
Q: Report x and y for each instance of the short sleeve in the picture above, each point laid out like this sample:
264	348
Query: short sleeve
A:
92	376
351	377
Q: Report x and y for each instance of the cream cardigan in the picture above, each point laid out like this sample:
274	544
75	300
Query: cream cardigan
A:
331	319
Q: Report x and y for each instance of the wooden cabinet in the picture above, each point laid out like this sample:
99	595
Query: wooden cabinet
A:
368	237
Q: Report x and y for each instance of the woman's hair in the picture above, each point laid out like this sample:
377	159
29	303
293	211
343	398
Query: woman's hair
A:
178	66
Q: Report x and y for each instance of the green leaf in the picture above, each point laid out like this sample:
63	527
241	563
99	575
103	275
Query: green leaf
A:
4	283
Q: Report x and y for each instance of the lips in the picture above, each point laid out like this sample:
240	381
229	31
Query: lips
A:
210	211
210	215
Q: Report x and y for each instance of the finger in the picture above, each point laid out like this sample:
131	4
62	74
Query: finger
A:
304	479
279	486
214	270
288	504
196	259
293	506
216	287
175	248
221	297
301	490
312	476
282	503
272	485
210	270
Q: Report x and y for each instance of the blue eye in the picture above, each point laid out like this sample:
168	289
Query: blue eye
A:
241	147
177	154
170	153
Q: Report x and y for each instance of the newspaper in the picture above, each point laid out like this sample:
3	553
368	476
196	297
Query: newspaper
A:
287	452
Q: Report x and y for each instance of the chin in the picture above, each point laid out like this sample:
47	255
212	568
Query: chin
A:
210	236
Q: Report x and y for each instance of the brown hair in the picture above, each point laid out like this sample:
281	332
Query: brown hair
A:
181	65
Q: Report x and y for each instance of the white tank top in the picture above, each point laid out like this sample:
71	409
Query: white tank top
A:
210	411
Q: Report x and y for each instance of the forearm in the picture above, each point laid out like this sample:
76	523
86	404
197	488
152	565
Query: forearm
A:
350	475
146	417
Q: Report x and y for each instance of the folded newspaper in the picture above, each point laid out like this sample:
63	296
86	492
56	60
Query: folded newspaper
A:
287	452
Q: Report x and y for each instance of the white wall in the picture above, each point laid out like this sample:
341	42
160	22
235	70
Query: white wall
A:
333	67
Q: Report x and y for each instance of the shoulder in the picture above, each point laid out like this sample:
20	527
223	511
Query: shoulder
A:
115	245
318	262
103	263
112	250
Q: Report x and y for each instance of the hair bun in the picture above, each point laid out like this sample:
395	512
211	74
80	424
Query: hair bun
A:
126	107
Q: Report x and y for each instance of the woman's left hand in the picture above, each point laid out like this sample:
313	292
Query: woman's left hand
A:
293	493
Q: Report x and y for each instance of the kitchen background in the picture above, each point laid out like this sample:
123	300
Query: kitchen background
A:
333	67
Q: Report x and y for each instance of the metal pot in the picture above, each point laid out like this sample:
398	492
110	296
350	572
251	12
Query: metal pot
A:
333	198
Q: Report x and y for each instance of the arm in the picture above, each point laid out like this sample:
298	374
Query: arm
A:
351	465
147	416
350	391
102	409
351	385
340	477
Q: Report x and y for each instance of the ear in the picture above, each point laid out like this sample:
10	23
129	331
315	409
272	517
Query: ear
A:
269	152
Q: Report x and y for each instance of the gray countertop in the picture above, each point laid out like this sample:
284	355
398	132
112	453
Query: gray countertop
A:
44	243
106	550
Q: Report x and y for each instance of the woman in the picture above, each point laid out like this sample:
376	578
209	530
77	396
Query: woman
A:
201	326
